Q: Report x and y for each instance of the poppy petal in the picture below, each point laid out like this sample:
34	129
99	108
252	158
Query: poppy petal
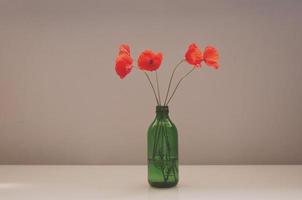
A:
149	61
124	48
123	65
211	57
194	55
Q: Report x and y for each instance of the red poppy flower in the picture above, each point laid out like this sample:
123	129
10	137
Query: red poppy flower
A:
123	62
211	57
124	48
150	61
194	55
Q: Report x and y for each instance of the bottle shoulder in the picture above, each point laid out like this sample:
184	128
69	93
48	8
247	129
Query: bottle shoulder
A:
162	123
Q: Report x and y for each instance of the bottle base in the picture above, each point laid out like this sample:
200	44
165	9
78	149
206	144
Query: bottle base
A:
162	184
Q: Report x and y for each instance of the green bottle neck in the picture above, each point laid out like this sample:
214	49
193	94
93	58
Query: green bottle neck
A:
162	112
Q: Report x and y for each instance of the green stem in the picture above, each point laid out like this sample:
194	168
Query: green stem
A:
152	87
170	81
165	132
157	84
158	147
173	170
182	78
155	140
162	155
168	153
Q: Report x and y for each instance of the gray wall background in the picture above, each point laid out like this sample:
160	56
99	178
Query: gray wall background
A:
62	103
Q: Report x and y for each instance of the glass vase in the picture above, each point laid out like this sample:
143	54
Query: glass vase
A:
162	150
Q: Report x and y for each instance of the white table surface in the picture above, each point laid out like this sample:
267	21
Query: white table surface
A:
129	182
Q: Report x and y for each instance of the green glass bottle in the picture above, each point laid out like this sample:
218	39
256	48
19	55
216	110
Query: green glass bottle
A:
162	150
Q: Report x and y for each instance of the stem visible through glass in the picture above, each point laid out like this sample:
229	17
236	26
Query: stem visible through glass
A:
162	152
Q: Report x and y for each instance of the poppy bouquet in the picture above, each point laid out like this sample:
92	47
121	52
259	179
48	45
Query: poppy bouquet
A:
149	61
162	135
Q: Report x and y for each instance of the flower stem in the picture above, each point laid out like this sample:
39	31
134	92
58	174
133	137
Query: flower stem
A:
175	68
182	78
152	87
156	135
157	84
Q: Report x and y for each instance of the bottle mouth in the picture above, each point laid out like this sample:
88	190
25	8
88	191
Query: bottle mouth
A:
162	109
